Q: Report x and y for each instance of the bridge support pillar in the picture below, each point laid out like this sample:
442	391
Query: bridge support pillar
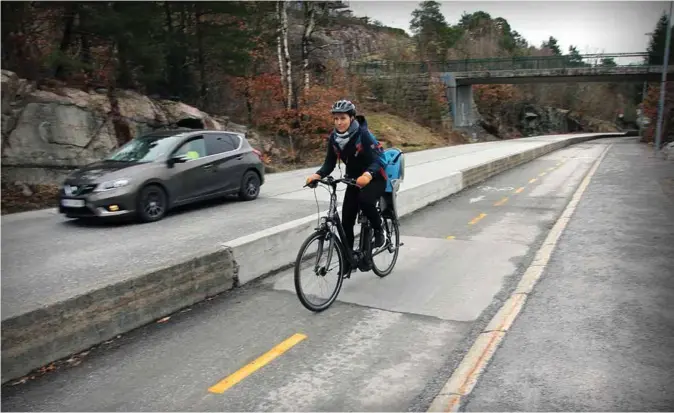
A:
460	99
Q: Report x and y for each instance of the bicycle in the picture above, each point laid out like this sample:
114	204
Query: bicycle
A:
330	229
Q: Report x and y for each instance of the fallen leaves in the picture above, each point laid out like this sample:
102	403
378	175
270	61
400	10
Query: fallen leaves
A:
46	369
72	361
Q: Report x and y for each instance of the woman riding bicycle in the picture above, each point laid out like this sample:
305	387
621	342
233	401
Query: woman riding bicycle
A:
352	143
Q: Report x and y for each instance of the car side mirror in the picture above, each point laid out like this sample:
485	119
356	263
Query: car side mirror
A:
177	159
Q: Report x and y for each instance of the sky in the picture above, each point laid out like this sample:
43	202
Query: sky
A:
593	27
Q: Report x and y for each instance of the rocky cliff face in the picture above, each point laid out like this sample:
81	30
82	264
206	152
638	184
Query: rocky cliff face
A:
46	133
521	119
345	43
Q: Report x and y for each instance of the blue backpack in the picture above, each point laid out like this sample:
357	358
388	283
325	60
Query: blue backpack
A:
395	167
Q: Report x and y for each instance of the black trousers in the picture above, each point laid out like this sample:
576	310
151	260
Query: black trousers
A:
364	199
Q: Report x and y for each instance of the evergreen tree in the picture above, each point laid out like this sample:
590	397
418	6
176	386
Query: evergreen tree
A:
553	45
434	36
656	47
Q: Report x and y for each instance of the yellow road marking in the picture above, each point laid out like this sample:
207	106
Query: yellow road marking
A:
451	237
477	219
520	189
502	201
542	174
531	181
551	169
256	364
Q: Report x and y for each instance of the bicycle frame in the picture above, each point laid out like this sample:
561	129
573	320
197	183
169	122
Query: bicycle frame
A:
364	246
333	218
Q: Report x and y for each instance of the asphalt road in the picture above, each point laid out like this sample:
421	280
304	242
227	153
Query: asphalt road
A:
386	345
597	334
47	258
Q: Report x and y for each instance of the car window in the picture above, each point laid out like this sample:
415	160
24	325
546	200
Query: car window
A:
143	149
220	142
193	149
235	139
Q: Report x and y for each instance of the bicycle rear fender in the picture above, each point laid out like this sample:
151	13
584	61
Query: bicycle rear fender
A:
389	200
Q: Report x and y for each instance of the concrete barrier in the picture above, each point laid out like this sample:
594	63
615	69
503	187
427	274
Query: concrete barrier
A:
39	337
276	248
34	339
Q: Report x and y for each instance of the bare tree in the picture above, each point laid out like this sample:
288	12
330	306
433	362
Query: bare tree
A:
309	24
279	47
281	8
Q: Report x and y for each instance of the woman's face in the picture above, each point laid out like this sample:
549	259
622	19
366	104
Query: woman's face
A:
342	122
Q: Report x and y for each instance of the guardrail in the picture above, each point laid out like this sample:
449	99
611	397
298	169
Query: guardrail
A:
503	63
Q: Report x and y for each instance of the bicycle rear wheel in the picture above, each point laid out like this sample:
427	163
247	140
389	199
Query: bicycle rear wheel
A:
390	248
328	258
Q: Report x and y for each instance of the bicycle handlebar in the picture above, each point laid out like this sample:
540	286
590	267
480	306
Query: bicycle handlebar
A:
330	181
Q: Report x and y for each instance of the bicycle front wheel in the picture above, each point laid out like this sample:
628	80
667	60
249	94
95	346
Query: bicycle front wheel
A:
316	267
389	252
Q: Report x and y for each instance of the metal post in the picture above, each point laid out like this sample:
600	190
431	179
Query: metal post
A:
641	112
663	83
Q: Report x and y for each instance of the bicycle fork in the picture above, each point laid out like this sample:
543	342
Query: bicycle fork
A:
318	270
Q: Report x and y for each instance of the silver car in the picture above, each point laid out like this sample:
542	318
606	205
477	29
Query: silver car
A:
164	169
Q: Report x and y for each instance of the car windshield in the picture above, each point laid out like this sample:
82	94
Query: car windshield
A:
143	149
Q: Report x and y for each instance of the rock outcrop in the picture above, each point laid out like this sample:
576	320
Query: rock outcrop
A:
521	119
47	132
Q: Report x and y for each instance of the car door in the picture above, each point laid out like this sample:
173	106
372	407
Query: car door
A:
222	147
192	179
239	167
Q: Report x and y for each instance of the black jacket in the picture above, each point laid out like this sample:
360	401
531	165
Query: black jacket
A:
360	154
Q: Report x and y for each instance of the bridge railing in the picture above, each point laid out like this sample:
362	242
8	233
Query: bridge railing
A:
504	63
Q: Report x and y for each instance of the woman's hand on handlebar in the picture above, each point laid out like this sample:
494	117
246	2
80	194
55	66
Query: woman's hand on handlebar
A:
311	180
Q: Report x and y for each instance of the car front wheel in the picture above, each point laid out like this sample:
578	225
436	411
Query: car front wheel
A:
152	203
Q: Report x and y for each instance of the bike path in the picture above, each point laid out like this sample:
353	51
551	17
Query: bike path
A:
597	332
386	344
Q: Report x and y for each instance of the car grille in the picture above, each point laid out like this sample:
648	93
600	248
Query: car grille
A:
78	190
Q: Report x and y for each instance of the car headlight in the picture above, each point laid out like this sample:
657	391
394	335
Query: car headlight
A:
106	186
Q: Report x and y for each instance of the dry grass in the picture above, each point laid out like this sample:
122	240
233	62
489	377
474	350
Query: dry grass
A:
392	130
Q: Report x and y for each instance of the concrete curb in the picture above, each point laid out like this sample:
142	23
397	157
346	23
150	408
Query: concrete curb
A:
34	339
39	337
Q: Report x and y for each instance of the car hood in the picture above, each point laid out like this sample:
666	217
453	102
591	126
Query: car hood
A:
101	171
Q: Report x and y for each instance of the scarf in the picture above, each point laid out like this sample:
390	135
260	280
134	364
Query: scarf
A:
343	138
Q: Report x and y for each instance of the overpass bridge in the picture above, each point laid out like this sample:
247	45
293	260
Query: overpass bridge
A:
460	75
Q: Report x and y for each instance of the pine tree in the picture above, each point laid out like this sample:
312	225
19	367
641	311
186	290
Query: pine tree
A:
656	47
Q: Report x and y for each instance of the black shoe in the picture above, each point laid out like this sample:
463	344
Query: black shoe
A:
379	238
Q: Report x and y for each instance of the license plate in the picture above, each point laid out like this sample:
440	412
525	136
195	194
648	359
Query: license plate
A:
72	203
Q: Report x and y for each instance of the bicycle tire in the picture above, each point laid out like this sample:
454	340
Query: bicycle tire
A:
396	229
298	262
